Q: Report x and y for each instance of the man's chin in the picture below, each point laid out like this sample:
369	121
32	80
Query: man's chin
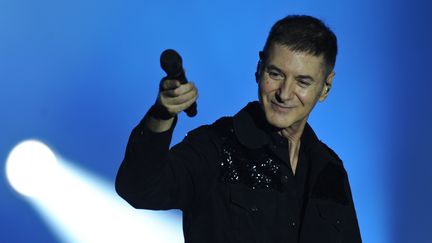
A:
279	120
279	123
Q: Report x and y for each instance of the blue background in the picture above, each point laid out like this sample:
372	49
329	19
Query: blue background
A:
79	75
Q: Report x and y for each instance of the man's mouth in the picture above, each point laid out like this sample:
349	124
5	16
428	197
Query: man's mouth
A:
279	107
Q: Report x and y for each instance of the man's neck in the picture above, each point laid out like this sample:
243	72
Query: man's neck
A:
293	134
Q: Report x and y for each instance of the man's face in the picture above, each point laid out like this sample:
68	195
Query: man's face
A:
290	84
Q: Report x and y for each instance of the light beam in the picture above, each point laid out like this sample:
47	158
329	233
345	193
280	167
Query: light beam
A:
81	207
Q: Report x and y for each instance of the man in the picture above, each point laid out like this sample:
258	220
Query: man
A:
260	176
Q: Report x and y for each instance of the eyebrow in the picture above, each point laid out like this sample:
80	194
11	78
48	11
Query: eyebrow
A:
271	66
306	77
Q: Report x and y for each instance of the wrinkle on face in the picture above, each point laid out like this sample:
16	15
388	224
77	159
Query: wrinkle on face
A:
285	99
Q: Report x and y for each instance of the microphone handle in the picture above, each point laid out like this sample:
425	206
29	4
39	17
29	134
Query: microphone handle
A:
191	111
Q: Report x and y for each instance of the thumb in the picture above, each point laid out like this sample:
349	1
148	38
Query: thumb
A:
167	84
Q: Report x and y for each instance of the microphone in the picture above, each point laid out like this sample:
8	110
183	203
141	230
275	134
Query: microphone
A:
171	62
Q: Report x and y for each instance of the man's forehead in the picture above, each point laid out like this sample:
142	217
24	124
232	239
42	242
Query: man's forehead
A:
275	47
288	60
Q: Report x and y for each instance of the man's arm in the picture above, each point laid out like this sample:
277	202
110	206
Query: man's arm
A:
153	176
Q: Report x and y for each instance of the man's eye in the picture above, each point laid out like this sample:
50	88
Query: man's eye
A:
303	83
275	75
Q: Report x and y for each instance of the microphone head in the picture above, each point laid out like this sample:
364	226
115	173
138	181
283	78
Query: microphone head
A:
171	62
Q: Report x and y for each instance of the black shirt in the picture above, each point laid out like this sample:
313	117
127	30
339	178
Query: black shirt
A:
254	131
233	182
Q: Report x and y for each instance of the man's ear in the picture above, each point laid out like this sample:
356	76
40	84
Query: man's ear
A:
327	86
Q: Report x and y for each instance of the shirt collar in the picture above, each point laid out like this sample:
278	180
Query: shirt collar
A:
253	131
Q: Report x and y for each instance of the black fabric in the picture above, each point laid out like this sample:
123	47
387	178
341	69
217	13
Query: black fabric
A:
254	132
315	205
158	111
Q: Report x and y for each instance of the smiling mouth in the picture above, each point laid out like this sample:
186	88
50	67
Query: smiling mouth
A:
280	108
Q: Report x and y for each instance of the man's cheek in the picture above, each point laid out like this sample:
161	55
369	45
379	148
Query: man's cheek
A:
266	90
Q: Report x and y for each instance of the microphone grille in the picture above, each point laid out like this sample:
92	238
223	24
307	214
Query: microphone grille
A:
171	62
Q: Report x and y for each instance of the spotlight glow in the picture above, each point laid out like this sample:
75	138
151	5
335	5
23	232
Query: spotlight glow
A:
80	207
30	168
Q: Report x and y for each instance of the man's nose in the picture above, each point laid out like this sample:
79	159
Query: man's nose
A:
285	91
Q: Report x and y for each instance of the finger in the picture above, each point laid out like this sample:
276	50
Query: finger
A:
182	89
169	93
167	101
191	94
169	84
181	107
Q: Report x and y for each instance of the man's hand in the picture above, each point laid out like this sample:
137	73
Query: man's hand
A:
176	97
173	98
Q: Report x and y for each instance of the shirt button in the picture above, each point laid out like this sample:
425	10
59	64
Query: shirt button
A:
284	179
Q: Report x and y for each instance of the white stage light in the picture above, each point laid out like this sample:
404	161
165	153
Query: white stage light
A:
30	167
80	207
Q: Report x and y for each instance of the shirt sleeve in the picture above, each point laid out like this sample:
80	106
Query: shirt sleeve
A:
352	234
153	176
